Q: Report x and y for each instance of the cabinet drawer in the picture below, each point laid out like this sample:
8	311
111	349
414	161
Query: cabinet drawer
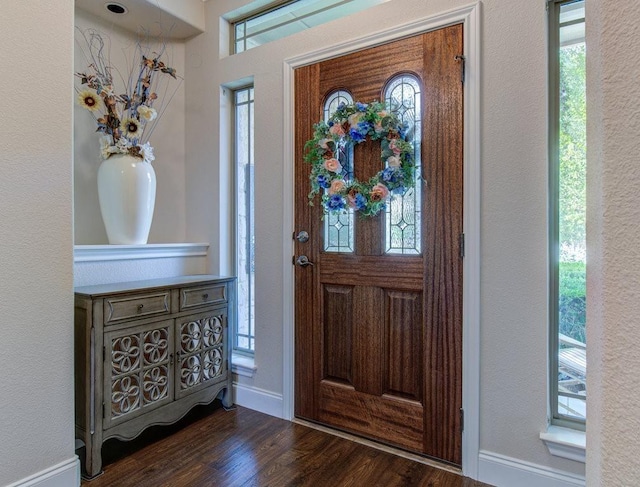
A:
193	297
138	306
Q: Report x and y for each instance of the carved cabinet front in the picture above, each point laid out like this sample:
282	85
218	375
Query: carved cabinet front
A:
146	353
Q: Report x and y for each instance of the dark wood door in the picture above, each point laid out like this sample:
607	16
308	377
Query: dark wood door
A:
379	333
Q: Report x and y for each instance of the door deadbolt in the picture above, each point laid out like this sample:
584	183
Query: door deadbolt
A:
302	236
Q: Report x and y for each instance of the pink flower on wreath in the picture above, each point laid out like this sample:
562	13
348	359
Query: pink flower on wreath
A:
379	192
392	145
337	129
333	165
337	186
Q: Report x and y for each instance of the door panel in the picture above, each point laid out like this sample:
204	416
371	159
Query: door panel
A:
379	336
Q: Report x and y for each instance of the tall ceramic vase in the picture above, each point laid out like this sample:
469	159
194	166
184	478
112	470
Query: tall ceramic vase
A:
127	194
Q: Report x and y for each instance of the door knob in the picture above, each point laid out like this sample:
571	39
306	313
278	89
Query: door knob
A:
303	261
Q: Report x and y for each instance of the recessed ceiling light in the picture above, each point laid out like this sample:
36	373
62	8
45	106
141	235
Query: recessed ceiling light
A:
116	8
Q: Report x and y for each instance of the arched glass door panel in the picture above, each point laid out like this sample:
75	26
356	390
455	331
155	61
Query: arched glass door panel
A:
338	228
403	219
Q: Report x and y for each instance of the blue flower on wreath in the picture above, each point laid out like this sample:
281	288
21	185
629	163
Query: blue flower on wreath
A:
361	107
359	202
356	135
335	202
323	181
392	175
359	132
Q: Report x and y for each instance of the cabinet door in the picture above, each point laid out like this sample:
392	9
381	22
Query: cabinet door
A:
201	357
138	370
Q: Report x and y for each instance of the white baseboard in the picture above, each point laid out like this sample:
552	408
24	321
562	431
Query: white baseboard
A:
64	474
258	399
503	471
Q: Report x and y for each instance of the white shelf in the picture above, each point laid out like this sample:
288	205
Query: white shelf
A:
102	253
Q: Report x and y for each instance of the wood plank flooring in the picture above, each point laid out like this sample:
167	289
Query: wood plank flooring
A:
241	447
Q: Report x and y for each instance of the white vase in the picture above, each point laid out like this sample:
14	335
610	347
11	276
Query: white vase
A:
127	194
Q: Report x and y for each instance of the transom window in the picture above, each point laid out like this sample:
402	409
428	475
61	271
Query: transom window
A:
289	17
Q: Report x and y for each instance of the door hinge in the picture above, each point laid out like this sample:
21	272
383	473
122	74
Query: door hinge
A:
461	242
104	353
462	60
103	410
461	419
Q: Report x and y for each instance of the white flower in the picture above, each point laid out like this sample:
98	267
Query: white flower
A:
106	146
393	161
90	100
147	152
130	127
147	113
122	146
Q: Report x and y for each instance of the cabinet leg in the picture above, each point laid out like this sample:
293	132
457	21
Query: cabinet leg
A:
93	458
227	400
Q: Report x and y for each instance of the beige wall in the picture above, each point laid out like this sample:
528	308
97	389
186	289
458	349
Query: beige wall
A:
613	231
36	240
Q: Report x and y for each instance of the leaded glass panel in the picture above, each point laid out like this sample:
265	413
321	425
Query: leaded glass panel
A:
338	228
403	221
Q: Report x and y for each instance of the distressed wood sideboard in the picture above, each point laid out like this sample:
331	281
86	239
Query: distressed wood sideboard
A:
146	352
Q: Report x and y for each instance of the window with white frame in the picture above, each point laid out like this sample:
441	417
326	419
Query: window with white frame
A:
244	335
288	17
567	143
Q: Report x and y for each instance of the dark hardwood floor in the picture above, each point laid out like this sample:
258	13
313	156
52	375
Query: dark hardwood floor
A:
241	447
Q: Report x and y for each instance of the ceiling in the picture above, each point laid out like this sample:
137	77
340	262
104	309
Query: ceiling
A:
155	16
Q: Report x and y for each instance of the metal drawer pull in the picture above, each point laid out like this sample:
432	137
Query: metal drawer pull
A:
140	306
205	296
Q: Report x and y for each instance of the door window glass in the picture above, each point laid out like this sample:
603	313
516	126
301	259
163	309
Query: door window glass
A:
402	227
338	228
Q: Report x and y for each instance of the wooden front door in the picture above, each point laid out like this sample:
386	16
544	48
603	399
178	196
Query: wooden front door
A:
379	323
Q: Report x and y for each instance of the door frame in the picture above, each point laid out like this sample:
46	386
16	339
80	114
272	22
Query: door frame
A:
469	16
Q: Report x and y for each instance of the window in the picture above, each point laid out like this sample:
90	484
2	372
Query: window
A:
244	336
288	18
402	224
338	228
567	144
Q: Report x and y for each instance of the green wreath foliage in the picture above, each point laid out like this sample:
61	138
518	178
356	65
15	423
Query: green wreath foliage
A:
349	125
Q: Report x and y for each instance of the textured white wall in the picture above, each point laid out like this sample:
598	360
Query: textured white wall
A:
613	232
36	241
514	197
104	272
169	221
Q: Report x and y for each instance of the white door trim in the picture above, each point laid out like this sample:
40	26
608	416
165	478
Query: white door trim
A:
469	16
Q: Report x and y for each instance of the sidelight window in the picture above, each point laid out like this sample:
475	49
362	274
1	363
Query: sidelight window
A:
244	336
567	142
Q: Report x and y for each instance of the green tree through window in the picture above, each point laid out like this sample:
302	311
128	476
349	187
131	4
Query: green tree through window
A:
568	252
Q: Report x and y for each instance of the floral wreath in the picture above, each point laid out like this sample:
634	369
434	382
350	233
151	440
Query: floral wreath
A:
350	125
